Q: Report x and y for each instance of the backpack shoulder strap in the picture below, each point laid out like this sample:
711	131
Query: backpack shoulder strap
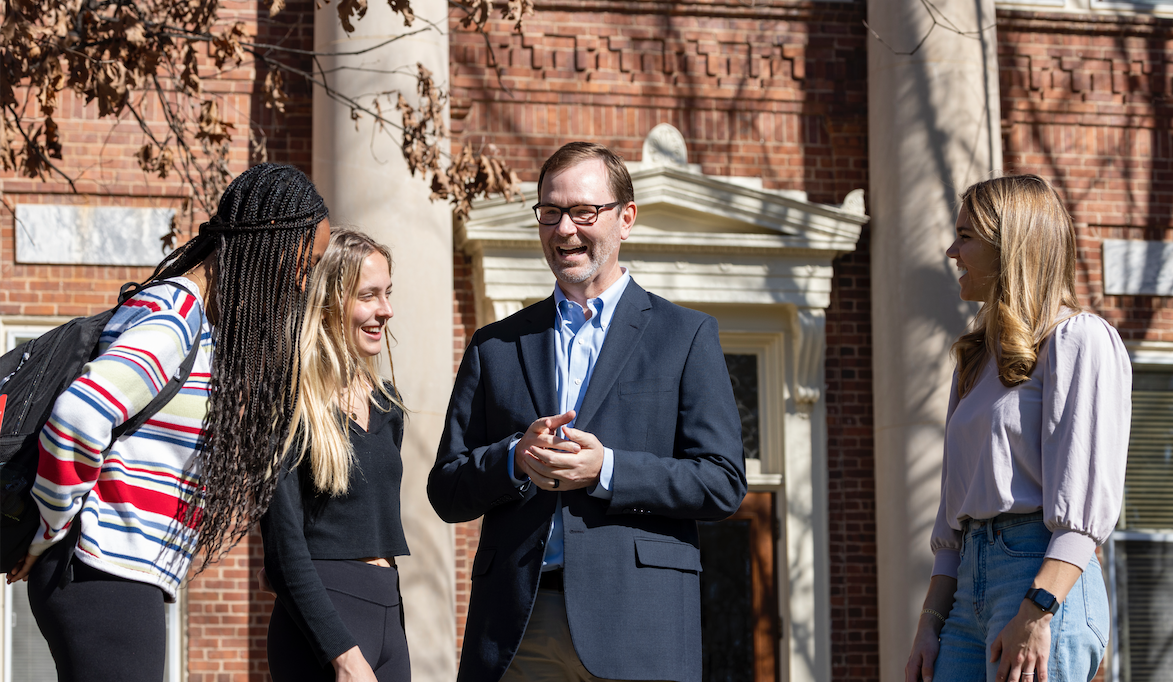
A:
171	389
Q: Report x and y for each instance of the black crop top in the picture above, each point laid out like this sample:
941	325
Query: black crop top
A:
302	525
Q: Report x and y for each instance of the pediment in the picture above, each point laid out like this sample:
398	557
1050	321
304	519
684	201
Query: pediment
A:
698	239
679	208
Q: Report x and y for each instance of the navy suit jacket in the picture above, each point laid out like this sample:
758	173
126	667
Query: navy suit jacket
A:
660	397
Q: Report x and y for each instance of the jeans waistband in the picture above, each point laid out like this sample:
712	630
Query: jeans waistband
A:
1001	521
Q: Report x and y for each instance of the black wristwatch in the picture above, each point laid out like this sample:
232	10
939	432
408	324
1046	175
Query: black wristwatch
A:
1043	599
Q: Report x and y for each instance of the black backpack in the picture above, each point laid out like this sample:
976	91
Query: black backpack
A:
32	375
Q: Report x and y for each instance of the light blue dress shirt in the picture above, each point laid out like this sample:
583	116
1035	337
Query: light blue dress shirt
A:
578	342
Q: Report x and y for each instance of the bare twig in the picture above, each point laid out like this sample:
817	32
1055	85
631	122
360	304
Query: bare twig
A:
939	21
120	54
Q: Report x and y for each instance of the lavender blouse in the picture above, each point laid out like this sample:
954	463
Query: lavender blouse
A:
1057	442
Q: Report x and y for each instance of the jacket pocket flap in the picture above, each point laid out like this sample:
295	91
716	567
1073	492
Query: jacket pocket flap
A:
666	554
482	562
652	385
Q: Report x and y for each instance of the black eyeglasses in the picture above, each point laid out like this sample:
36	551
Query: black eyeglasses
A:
583	214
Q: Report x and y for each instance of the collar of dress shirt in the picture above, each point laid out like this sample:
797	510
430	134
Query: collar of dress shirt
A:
602	306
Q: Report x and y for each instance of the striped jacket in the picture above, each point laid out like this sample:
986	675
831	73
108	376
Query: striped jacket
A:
139	487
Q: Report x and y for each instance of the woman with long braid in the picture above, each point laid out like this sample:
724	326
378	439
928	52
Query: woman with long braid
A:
121	520
334	529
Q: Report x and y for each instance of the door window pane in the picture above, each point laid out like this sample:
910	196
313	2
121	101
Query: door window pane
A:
743	372
739	599
726	601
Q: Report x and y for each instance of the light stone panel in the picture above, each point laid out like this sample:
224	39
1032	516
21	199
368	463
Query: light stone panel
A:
91	235
1138	268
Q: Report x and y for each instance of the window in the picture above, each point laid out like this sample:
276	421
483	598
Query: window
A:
1140	552
14	332
26	655
743	374
755	364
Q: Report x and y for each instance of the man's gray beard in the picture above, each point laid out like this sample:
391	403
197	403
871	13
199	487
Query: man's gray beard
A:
598	256
563	276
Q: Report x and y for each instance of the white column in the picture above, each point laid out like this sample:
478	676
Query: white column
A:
933	129
366	184
807	530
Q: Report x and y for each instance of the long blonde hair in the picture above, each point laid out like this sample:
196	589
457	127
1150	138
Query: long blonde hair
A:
331	365
1025	221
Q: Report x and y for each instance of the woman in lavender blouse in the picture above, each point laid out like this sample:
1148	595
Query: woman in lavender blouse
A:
1035	444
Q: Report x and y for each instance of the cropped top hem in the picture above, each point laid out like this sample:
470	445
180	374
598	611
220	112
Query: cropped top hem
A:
352	554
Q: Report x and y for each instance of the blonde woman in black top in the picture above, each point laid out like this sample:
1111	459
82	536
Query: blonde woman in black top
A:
333	529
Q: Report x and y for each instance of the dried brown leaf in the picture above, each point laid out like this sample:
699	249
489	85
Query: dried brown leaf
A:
52	138
212	129
349	8
477	14
516	11
275	7
136	34
274	90
226	46
190	77
403	7
110	87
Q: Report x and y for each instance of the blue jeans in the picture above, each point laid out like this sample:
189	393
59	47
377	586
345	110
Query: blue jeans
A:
999	559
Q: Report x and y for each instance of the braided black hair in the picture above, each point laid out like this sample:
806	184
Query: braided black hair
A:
262	236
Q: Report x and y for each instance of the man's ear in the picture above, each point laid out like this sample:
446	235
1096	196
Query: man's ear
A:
627	220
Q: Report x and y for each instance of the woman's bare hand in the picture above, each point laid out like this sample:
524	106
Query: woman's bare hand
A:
925	647
1024	645
22	568
352	667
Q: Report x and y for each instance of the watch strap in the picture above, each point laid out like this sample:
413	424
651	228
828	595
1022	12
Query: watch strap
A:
1043	599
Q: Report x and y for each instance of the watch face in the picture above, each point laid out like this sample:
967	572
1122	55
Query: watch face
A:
1044	600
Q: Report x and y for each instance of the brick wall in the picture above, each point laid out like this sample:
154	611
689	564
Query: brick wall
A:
855	652
1087	101
776	91
228	618
467	534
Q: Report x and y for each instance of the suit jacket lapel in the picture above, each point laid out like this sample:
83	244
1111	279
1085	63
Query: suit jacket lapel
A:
631	319
538	358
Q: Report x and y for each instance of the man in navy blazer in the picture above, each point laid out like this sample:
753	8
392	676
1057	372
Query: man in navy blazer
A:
591	431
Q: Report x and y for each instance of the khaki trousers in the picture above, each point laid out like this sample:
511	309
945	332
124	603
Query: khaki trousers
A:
546	653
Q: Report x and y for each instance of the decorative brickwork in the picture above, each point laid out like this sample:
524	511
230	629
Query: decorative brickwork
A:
774	90
1087	101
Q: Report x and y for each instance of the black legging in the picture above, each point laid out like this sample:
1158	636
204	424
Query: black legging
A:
100	628
368	601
